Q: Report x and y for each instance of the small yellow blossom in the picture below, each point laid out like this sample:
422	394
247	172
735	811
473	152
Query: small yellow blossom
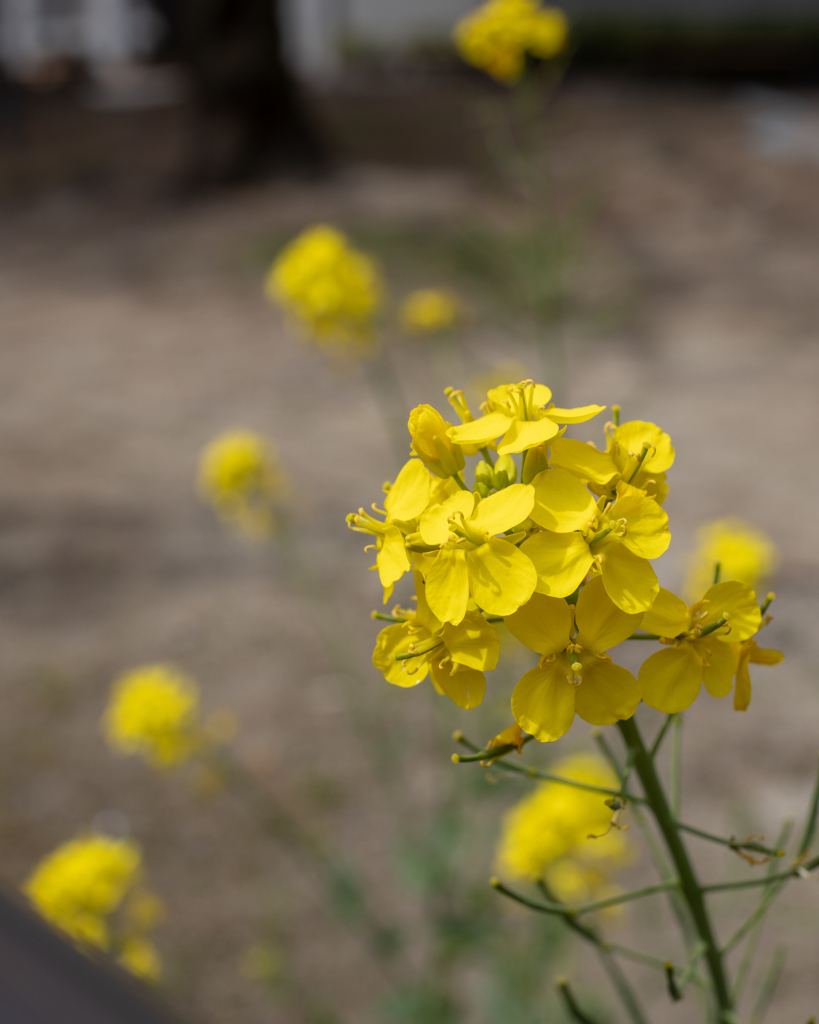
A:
86	887
497	36
241	477
430	434
430	311
549	834
671	678
154	711
574	674
332	291
743	553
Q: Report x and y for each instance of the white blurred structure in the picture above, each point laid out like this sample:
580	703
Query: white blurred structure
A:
101	32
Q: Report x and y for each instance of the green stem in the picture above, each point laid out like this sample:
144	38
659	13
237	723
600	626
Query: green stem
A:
732	843
457	478
717	570
810	824
676	766
655	746
689	886
571	1003
487	457
568	910
798	872
769	983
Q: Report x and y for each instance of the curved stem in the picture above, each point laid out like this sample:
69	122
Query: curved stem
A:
689	886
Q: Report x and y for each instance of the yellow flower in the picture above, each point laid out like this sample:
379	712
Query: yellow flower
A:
455	657
471	561
153	711
749	653
84	883
743	553
330	289
548	834
430	311
240	476
671	678
581	535
574	674
520	415
623	461
406	500
430	434
499	34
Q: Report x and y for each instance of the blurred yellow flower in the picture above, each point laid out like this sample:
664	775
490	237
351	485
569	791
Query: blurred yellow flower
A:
331	290
153	711
430	311
241	477
744	554
82	884
497	36
549	834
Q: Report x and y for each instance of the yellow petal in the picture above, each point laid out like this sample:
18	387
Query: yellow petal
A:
668	616
562	503
600	622
631	437
579	415
465	687
581	459
447	585
434	525
740	602
719	664
543	624
396	640
501	577
671	678
647	531
504	509
523	434
765	655
409	495
473	642
543	701
392	560
561	560
629	580
607	693
742	687
482	430
423	615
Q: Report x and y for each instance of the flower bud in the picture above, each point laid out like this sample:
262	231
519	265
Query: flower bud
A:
505	473
428	429
534	462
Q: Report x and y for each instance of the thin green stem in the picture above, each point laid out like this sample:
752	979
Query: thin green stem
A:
655	746
571	1003
810	824
768	986
717	570
766	604
751	883
576	910
676	766
732	843
643	455
487	457
713	626
385	618
689	886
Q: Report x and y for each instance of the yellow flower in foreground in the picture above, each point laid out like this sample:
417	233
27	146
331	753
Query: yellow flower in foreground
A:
547	835
671	678
332	290
154	711
431	443
520	415
83	884
430	311
455	657
749	653
241	477
579	537
497	36
743	553
574	674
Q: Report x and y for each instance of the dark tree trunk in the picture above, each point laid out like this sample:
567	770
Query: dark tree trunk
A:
251	118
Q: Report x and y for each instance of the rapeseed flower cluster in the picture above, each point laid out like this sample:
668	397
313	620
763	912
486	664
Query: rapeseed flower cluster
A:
498	36
430	311
92	888
154	712
240	476
330	290
564	836
554	539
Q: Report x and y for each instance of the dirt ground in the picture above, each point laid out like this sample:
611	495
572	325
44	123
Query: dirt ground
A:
134	329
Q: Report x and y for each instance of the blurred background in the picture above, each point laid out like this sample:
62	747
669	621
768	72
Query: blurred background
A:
154	159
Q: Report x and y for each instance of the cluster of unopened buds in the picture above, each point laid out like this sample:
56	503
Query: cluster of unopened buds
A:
553	538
